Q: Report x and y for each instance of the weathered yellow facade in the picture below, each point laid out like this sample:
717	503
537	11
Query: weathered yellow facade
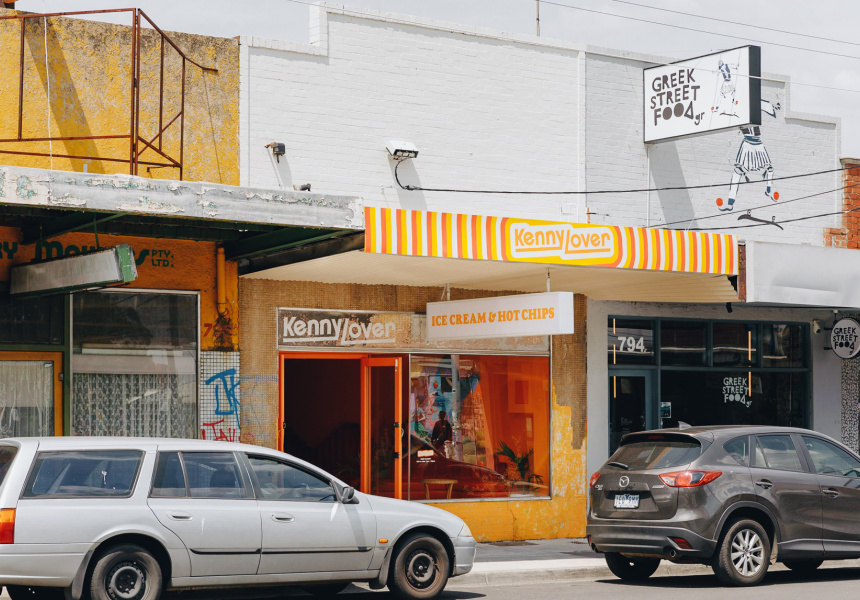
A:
88	72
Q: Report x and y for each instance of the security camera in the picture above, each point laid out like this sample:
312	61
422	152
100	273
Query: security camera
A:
400	150
816	326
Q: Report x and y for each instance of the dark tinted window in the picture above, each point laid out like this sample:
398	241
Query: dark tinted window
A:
630	341
683	343
829	459
280	481
169	480
657	454
783	345
734	344
83	474
777	452
31	320
7	455
213	475
739	449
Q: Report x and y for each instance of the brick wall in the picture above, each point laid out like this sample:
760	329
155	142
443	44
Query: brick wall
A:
563	516
847	235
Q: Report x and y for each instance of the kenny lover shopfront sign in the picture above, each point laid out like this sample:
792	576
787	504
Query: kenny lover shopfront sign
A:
502	316
477	237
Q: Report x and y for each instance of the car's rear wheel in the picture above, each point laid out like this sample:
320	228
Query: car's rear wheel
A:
26	592
419	570
126	572
743	555
631	569
325	590
803	566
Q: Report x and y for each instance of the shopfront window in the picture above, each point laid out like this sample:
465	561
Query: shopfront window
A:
708	373
631	342
134	364
479	427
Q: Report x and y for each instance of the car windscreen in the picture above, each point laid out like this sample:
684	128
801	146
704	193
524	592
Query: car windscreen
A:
659	453
7	455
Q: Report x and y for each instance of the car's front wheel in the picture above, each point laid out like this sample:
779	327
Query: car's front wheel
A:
631	569
126	572
804	566
26	592
743	555
419	570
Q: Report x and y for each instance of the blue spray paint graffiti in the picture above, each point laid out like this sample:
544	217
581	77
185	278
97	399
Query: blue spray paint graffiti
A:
227	405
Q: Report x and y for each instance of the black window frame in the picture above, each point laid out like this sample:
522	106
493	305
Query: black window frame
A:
32	473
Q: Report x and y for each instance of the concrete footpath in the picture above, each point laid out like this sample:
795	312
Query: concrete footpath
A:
533	561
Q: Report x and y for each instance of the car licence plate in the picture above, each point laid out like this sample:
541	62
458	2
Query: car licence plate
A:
627	501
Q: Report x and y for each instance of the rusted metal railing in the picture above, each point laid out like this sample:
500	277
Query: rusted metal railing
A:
138	144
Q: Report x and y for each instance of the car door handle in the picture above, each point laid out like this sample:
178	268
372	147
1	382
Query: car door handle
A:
764	483
283	518
830	492
178	516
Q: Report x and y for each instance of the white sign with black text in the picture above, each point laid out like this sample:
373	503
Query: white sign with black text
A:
550	313
703	94
845	338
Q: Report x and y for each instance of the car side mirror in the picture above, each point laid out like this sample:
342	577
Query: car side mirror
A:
347	496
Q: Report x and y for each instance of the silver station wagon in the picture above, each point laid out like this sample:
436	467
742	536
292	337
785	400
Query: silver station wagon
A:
125	518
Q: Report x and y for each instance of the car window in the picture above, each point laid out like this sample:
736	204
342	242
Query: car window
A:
777	452
739	449
7	455
281	481
830	459
213	475
657	453
169	479
83	474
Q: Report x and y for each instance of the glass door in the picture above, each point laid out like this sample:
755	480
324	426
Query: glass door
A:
382	426
631	405
30	394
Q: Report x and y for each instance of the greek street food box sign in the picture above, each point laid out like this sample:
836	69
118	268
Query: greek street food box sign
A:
845	338
703	94
503	316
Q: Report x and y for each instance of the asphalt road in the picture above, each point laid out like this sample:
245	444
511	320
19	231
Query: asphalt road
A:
783	585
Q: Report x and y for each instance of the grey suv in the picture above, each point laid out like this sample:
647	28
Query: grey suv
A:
735	497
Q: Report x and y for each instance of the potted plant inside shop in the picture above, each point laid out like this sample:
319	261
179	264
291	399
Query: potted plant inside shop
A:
528	479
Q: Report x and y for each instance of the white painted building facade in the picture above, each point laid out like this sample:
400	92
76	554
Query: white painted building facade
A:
507	112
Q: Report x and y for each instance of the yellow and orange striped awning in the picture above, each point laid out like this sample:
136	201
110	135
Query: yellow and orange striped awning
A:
447	235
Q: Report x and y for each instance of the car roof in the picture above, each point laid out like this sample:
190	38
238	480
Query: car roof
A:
136	443
725	431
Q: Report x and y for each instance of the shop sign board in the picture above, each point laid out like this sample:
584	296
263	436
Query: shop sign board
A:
81	272
550	313
703	94
476	237
845	338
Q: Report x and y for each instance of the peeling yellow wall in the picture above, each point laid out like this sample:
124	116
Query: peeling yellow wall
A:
89	74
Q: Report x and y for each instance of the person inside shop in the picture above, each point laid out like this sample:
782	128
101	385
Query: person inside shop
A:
442	432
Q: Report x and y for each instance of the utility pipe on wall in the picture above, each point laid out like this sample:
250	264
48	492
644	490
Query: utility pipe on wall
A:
220	281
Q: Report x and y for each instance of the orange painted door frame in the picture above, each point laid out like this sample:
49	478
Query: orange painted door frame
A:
52	357
368	362
397	429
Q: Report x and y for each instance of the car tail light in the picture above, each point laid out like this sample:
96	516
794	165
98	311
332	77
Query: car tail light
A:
594	479
683	479
682	543
7	526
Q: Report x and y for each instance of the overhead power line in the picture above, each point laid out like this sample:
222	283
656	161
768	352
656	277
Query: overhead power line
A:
766	223
415	188
762	27
695	30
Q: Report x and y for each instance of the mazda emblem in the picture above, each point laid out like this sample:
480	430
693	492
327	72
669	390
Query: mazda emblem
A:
624	481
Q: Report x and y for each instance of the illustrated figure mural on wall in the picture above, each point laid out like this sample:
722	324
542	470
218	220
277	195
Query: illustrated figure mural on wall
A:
752	157
724	102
